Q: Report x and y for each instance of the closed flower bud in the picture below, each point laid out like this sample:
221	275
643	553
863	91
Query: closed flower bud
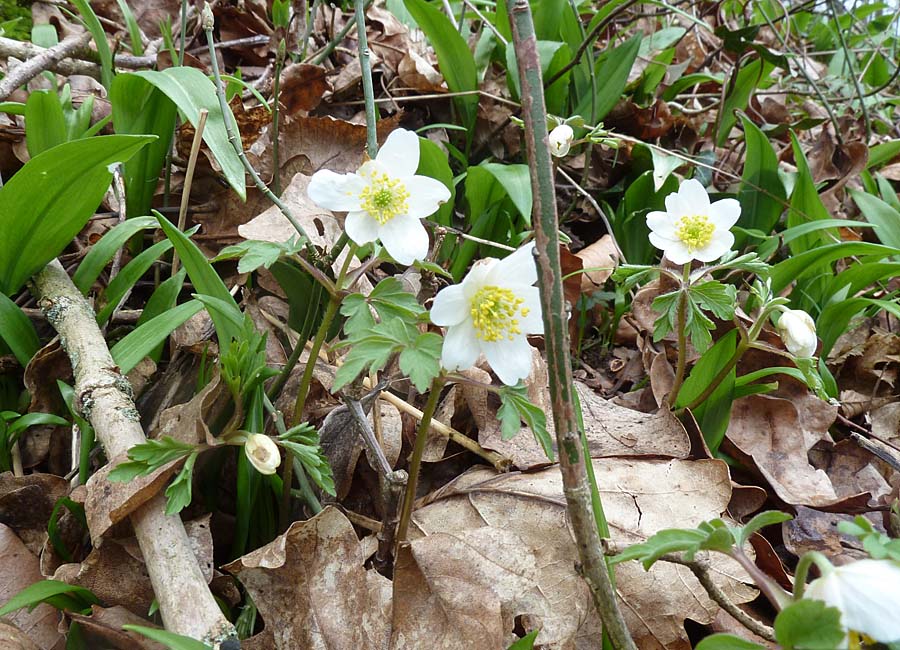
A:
561	140
798	331
263	453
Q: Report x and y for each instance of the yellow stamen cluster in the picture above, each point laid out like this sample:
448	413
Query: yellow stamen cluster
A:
384	197
495	313
695	231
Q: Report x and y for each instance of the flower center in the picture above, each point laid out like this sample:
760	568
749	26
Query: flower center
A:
495	313
695	231
384	197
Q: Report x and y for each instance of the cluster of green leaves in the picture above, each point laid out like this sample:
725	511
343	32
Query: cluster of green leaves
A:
303	441
243	365
515	407
712	296
372	342
714	535
877	544
149	456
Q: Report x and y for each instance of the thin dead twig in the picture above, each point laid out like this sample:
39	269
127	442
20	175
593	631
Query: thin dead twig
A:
28	70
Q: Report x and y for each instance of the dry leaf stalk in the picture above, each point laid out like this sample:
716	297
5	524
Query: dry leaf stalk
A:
553	303
106	401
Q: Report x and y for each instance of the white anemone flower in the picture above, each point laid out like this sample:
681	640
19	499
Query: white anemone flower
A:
868	594
384	199
691	228
492	311
798	331
263	453
561	139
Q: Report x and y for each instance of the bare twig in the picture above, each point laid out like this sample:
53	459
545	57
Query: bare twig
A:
546	227
104	397
189	179
28	70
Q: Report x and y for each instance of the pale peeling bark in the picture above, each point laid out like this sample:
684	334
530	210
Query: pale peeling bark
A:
105	398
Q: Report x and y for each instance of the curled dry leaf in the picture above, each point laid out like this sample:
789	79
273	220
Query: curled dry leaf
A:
777	436
271	225
504	539
600	259
611	430
312	589
18	569
26	503
416	72
103	629
302	87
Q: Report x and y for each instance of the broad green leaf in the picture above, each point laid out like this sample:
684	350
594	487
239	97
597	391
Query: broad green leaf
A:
882	153
762	194
128	276
134	30
611	69
716	297
721	641
42	591
553	55
45	126
884	217
809	625
740	88
206	281
192	91
138	107
421	361
515	407
47	202
17	331
791	234
169	639
139	343
96	29
163	299
455	60
526	642
34	419
516	180
806	205
105	249
714	413
836	317
433	163
798	266
307	299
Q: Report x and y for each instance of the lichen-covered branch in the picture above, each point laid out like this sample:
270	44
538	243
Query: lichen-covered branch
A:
571	455
105	398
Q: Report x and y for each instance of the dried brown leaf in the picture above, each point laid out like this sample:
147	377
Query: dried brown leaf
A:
19	569
312	589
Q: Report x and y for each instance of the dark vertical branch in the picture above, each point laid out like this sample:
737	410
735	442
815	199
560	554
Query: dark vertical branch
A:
572	458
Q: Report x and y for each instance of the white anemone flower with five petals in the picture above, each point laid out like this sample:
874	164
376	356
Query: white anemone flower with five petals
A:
385	199
692	228
491	312
867	592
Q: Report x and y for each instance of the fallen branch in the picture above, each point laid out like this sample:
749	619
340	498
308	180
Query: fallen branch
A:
572	461
104	397
45	59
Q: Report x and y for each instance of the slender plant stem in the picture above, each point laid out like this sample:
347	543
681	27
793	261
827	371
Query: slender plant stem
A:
306	381
366	67
188	180
742	346
276	114
231	129
849	56
775	594
681	324
305	491
184	4
555	312
307	27
808	559
324	53
415	461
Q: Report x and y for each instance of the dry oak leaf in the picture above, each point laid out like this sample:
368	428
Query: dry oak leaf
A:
777	436
312	589
11	638
19	568
600	260
26	503
640	497
611	430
